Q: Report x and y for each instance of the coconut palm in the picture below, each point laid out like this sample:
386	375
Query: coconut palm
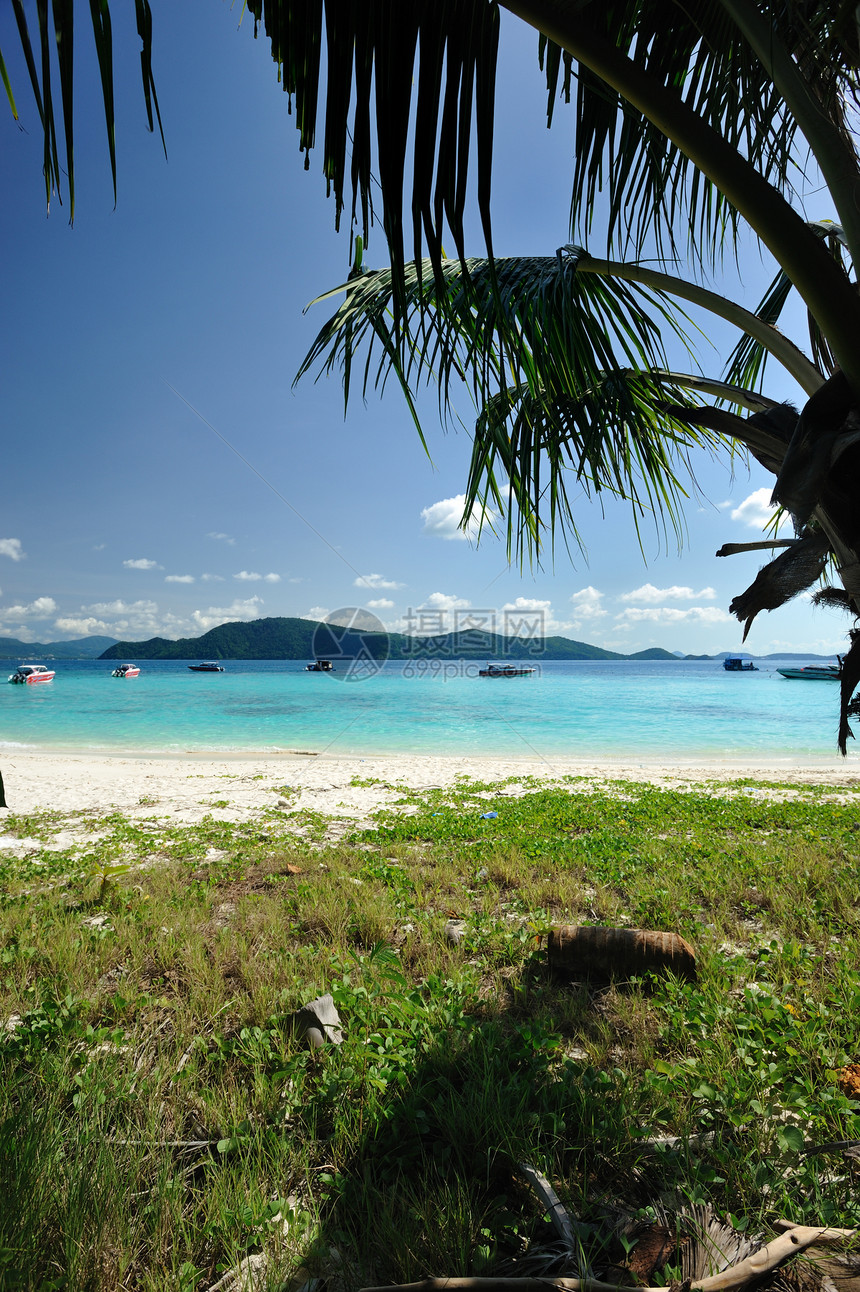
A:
692	121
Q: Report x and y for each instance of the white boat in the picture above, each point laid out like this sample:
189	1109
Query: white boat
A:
813	673
126	670
30	673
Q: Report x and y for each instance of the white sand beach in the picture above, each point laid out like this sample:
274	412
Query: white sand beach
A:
185	789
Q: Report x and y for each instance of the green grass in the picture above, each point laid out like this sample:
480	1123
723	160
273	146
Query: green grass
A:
159	1120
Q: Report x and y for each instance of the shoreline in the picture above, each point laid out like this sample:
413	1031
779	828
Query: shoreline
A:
188	786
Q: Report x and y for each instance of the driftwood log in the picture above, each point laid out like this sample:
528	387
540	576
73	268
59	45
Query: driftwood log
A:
619	953
737	1276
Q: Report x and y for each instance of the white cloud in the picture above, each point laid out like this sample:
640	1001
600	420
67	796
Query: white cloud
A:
756	510
212	578
317	613
529	604
587	604
41	608
445	601
382	603
651	596
442	519
133	620
179	578
11	547
669	615
99	547
215	615
251	576
375	581
223	538
141	563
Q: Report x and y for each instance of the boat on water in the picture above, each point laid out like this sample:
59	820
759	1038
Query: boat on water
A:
30	673
504	670
209	667
814	673
126	670
319	666
737	664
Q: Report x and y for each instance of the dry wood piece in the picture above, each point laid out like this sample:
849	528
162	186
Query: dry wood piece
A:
737	1276
619	953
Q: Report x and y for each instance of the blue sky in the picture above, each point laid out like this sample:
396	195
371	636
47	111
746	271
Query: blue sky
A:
123	513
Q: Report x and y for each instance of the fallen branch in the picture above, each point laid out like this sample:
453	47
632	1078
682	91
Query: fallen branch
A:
746	1271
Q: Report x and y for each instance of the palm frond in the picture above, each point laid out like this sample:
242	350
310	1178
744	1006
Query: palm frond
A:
56	38
567	371
747	361
433	58
698	53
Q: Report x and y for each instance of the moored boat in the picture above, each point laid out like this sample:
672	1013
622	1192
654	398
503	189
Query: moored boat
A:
737	664
126	670
319	666
209	667
30	673
504	670
813	673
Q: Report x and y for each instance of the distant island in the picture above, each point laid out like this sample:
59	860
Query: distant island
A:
83	648
280	638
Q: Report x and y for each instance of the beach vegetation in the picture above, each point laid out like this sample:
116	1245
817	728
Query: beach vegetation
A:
161	1120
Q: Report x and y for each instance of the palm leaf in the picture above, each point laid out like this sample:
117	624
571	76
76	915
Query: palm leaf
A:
698	53
567	371
747	361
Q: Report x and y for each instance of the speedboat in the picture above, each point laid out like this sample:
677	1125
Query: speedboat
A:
211	667
31	673
125	670
504	670
736	664
813	673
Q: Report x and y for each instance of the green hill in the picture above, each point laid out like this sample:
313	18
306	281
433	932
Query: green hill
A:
281	638
84	648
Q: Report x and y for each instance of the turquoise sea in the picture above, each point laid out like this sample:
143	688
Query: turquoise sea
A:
603	710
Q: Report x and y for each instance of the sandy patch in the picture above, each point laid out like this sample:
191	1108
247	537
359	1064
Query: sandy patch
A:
185	789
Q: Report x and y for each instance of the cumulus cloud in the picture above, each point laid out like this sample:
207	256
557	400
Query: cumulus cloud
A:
215	615
128	619
756	510
375	581
41	608
316	612
670	615
141	563
528	604
445	601
212	578
587	604
650	596
11	547
251	576
222	538
179	578
382	603
140	620
442	519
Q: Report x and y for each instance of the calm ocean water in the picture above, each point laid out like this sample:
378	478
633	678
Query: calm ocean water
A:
604	710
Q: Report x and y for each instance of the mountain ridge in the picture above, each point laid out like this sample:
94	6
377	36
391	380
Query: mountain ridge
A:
291	638
83	648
